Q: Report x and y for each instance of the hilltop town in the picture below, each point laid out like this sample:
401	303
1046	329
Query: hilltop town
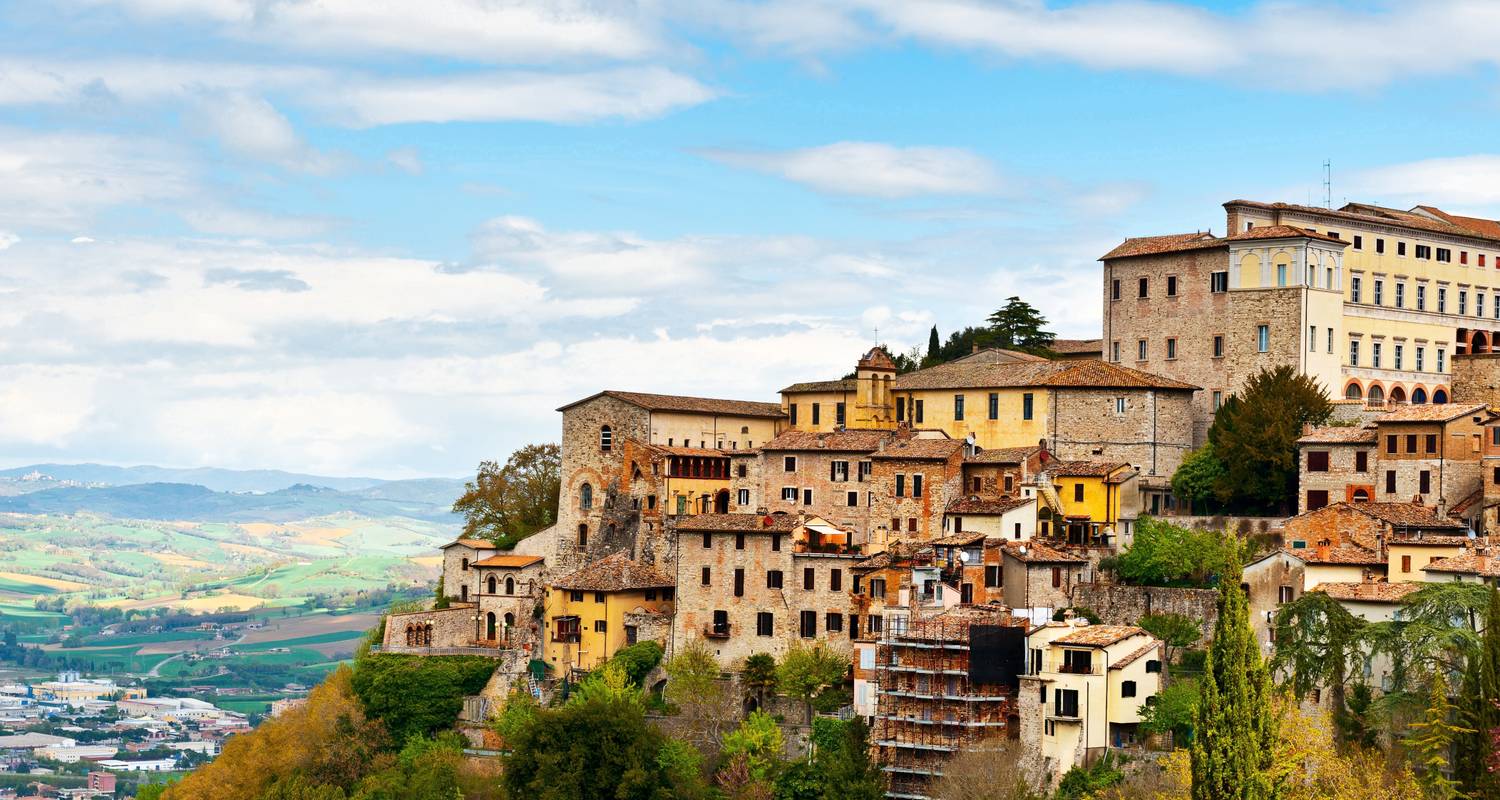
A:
957	532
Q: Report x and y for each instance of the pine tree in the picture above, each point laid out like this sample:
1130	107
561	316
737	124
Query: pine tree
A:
934	348
1254	435
1431	742
1479	713
1236	731
1019	325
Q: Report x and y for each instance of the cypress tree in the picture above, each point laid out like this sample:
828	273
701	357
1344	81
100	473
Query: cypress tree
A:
1477	698
1236	730
934	347
1431	741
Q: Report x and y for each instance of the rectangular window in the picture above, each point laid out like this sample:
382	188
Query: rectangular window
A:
816	416
1057	577
1424	482
916	486
864	470
958	407
917	409
1478	304
911	524
1114	350
1078	493
1440	355
1218	346
744	497
1390	444
1361	461
1424	251
1463	302
1333	234
809	578
808	626
1444	255
900	485
838	471
1312	338
765	624
833	621
1442	300
789	494
1317	461
1171	351
1280	274
1359	242
1218	399
1218	282
708	540
1421	357
1379	246
851	499
807	497
707	577
739	541
791	416
1400	351
575	597
901	409
1171	286
789	464
1065	702
1144	287
838	414
1262	338
1353	352
995	405
1430	444
1330	341
1421	297
1406	563
600	626
1411	443
739	583
992	571
1027	404
1127	688
836	580
1354	282
1316	499
1140	350
1119	405
877	588
1400	295
1390	481
1375	354
1400	248
1114	290
773	579
1379	292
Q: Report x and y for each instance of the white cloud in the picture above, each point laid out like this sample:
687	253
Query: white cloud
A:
630	93
406	159
1460	181
45	404
873	169
59	179
251	127
499	31
590	262
8	239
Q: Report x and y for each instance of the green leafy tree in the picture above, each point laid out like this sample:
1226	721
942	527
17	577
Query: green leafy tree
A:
1319	644
682	766
1479	707
1173	710
1018	325
587	750
1355	722
425	769
1431	742
702	700
418	695
845	765
439	595
1198	478
299	787
759	676
1175	630
1163	554
1082	782
609	685
508	503
638	660
804	672
1254	435
1438	629
759	740
1235	734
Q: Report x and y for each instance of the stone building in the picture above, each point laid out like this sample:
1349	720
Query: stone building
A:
1372	302
597	514
913	481
1088	504
754	583
1012	518
598	609
1001	472
1038	579
826	474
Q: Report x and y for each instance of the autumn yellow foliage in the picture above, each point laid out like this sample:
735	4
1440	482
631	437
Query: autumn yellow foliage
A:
327	740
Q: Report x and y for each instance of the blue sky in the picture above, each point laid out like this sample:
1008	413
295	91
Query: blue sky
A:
391	238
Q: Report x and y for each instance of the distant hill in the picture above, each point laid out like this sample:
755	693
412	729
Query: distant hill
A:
219	480
429	500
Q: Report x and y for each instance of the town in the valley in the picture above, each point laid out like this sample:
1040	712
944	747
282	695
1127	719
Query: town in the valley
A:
956	531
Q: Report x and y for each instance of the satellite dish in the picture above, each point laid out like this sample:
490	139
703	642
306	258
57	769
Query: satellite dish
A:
963	556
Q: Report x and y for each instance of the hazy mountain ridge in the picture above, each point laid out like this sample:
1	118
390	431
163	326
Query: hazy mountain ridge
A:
426	500
214	478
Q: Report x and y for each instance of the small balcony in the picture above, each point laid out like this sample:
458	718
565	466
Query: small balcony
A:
716	630
1076	669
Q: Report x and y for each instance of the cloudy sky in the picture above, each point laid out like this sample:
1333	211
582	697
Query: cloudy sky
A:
389	238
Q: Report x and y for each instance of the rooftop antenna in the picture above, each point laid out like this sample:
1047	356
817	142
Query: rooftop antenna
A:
1327	183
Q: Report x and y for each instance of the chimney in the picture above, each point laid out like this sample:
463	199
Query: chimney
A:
1323	549
976	347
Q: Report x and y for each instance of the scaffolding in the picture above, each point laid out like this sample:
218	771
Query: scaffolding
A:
928	708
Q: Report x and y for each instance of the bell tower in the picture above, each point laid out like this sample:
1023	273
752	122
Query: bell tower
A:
875	403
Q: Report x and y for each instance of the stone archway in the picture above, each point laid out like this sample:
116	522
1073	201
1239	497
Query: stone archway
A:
1398	394
1353	391
1439	396
1418	396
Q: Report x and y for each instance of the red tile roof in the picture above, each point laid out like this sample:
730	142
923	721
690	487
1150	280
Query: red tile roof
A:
1469	563
1152	647
1184	242
1081	373
847	441
1077	346
476	544
746	523
958	540
982	506
1368	591
1100	635
922	449
1341	434
1380	215
1432	413
1407	515
689	405
845	385
614	573
1002	455
507	561
1034	552
1084	469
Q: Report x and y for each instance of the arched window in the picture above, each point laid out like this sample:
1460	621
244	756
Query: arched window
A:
466	563
1439	396
1376	394
1419	395
427	635
583	536
586	496
1352	392
492	584
1398	395
1361	496
411	635
510	588
510	620
489	626
606	438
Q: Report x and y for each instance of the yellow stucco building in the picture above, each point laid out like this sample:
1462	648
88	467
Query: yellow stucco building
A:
1086	502
609	604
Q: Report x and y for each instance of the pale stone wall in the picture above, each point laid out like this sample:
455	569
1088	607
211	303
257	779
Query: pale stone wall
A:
1264	580
1476	379
1118	604
1028	585
451	627
584	462
830	497
458	578
1342	479
1153	434
942	482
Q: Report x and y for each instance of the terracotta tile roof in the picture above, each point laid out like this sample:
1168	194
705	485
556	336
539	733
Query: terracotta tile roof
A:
1034	552
1281	232
1368	591
1184	242
1379	215
1081	373
690	405
1077	346
958	540
747	523
996	355
1432	540
1484	227
1341	434
845	385
507	561
1462	507
982	505
922	449
855	441
1002	455
1407	515
477	544
1100	635
1432	413
1469	563
877	358
1346	554
1152	647
1084	469
614	573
